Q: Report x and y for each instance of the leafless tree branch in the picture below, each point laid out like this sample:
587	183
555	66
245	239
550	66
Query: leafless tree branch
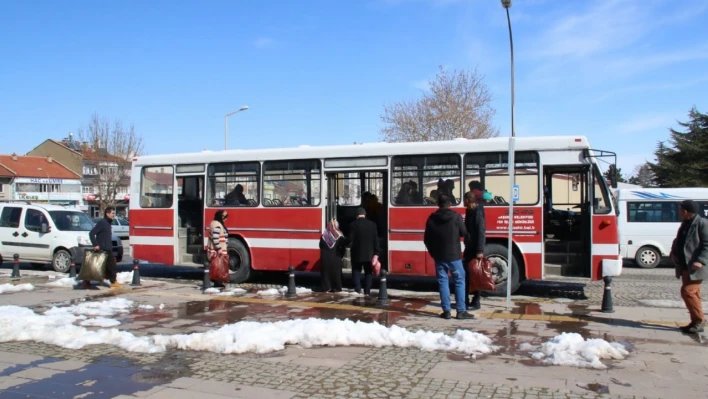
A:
458	104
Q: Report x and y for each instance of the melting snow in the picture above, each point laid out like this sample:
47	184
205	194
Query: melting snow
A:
570	349
124	277
100	322
10	288
106	308
268	292
147	307
56	327
62	282
212	291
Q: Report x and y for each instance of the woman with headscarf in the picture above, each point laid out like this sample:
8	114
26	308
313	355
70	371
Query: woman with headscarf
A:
332	247
217	250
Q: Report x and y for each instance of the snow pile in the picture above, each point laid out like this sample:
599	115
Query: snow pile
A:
124	277
666	303
10	288
146	307
57	327
106	308
570	349
269	292
22	324
298	290
100	322
231	292
63	282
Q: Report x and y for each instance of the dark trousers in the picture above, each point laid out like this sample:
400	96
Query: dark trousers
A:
331	275
368	276
111	267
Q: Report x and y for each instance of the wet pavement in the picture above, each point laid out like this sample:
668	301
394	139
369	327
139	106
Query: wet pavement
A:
661	362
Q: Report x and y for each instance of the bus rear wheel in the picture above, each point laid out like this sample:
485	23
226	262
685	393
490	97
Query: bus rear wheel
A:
239	262
648	257
497	254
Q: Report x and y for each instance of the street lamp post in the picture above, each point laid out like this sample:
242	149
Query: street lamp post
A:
226	125
511	163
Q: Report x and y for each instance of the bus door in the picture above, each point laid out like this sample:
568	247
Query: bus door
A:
350	189
605	233
567	226
152	214
190	215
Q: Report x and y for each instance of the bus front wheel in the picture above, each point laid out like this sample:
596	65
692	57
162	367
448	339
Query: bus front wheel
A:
497	254
239	261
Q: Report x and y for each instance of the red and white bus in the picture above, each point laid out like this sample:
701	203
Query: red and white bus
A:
279	200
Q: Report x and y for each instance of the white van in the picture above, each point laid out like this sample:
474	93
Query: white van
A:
648	220
41	234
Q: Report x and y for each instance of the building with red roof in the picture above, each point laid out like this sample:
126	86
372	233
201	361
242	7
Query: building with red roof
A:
38	179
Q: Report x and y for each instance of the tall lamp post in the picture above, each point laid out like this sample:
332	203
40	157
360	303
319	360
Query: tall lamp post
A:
512	144
226	125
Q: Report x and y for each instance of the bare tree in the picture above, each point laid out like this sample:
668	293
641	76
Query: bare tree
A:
458	104
108	148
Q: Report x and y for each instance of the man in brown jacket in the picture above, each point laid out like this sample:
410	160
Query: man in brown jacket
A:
689	253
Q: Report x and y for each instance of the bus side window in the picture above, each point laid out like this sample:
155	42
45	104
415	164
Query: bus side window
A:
233	184
157	187
417	179
292	183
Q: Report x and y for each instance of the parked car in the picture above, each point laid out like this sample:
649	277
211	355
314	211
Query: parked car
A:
41	234
120	227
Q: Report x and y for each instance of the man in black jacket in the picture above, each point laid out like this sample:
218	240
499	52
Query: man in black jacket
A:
364	245
443	231
101	238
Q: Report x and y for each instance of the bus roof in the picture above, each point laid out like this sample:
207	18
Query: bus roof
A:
662	194
369	150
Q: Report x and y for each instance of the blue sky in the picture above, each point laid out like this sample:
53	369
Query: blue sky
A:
318	72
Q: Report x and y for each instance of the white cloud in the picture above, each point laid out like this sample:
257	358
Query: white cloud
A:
263	42
647	122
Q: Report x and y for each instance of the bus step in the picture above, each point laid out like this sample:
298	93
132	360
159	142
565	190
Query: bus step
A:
558	269
191	258
562	257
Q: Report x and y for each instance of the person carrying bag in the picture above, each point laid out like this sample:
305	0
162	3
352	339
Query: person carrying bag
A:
217	250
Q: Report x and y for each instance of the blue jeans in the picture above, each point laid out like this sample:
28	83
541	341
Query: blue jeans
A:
458	274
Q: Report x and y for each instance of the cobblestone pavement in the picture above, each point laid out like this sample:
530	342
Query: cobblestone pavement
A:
662	364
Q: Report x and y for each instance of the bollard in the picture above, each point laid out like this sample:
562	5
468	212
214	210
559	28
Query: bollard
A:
136	273
15	266
607	306
383	291
72	270
207	281
292	291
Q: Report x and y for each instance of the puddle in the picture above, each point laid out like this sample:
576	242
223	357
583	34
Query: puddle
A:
526	308
109	377
595	387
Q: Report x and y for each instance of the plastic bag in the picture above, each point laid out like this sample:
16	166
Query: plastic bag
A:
480	276
219	267
376	265
93	267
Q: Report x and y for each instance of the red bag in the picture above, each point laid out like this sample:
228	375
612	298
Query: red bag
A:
480	276
219	267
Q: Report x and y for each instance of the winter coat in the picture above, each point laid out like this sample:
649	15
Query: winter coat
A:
443	231
695	249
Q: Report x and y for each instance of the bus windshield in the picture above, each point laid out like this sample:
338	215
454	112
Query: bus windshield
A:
71	220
